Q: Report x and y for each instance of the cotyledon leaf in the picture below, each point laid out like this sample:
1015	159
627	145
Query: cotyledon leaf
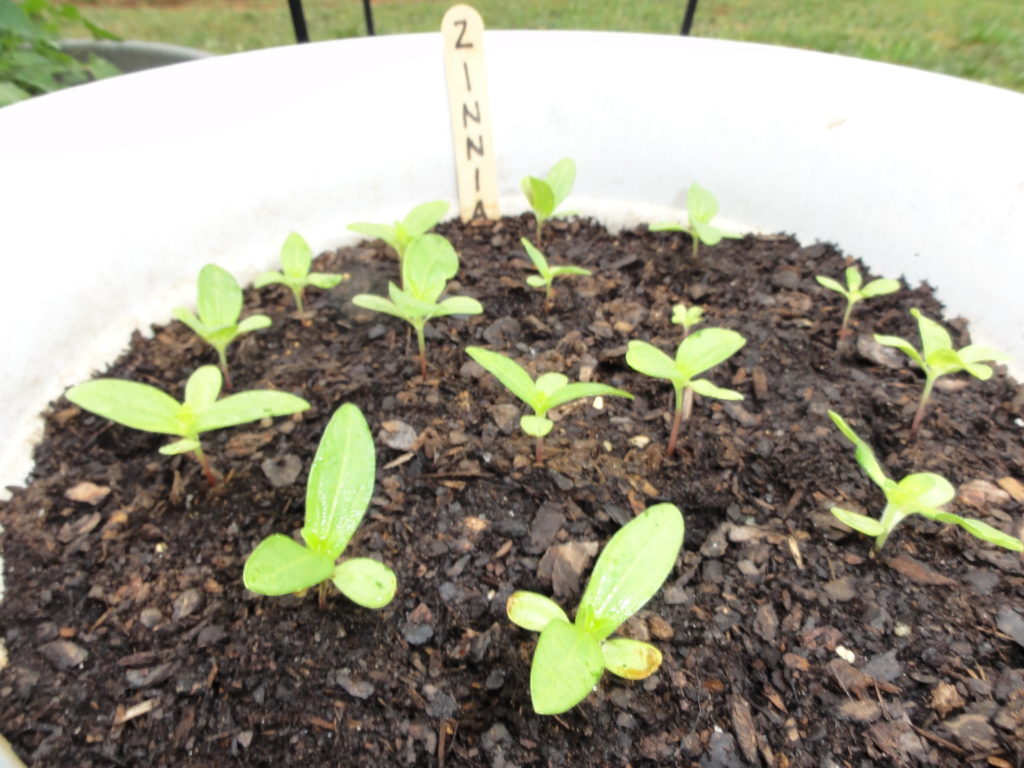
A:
340	482
631	568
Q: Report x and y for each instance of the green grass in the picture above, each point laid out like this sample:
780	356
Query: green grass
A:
977	39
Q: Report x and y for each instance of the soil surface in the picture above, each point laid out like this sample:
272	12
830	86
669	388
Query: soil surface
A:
130	640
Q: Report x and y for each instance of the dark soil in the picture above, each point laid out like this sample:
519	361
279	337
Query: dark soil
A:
786	642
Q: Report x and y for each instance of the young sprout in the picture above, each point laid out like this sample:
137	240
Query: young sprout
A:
688	317
219	303
855	290
337	494
296	260
922	493
549	391
571	656
696	353
701	208
429	263
938	358
399	235
547	273
545	195
144	407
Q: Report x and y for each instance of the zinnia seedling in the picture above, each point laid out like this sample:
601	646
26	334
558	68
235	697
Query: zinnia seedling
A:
400	235
429	264
296	261
701	208
688	317
337	494
922	493
219	303
571	656
144	407
547	272
545	195
855	290
938	358
549	391
697	353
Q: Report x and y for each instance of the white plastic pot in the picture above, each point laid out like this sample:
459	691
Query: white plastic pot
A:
115	193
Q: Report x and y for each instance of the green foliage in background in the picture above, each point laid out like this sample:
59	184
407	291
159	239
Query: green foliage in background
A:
980	40
31	62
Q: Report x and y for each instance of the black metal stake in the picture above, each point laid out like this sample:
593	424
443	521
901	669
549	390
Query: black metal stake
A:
368	13
298	21
691	9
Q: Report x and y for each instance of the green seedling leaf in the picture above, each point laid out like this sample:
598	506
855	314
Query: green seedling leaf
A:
861	523
340	482
862	453
937	358
705	349
545	195
688	317
549	391
337	494
135	405
296	261
365	582
429	263
547	273
401	234
922	493
281	566
144	407
244	407
532	611
424	218
506	370
571	656
697	352
981	530
567	664
631	659
701	208
631	568
649	360
535	426
854	292
560	179
540	196
219	303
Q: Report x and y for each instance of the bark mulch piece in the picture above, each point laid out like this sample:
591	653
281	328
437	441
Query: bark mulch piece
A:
131	641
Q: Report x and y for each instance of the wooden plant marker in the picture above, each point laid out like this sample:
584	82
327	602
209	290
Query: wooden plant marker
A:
475	169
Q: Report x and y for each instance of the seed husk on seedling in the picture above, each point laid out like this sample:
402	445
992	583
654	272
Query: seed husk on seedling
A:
571	656
219	306
337	495
545	195
701	208
855	291
937	358
548	391
429	263
144	407
696	353
400	235
296	261
547	272
922	493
